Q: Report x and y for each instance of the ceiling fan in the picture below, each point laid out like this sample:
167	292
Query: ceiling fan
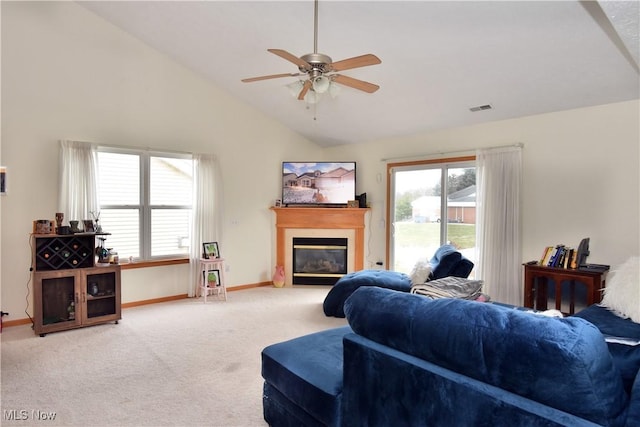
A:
320	68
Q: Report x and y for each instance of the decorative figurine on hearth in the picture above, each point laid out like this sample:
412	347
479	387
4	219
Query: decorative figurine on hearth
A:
278	277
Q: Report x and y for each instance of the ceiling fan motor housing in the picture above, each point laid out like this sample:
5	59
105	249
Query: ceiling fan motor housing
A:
319	62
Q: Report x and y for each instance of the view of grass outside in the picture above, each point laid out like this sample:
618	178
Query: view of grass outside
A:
462	236
410	238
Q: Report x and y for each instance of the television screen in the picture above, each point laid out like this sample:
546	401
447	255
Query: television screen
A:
318	183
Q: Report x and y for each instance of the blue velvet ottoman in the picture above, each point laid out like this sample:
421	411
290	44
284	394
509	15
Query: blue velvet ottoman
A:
347	284
303	380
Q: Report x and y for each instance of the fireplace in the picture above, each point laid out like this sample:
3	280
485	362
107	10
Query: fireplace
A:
319	261
319	223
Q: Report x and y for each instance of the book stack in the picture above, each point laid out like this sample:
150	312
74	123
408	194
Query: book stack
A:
559	256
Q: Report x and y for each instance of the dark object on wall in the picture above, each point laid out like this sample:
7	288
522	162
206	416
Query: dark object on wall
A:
2	313
3	180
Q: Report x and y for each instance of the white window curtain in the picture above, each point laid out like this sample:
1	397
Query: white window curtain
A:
207	212
78	195
498	239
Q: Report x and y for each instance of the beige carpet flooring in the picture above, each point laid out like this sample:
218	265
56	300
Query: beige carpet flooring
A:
181	363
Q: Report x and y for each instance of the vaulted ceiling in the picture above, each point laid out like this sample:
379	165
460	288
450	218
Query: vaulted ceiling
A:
439	59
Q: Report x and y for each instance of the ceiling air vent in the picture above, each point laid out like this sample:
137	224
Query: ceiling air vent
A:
481	108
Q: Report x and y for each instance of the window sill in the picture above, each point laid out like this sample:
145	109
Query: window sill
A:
157	263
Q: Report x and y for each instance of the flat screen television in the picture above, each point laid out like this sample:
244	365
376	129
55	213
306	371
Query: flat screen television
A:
318	183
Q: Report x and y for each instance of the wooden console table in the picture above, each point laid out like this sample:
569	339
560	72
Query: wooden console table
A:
536	278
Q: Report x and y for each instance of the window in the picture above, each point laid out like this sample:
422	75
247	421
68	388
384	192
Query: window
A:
431	203
145	202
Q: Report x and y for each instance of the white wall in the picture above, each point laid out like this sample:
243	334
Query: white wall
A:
580	177
67	74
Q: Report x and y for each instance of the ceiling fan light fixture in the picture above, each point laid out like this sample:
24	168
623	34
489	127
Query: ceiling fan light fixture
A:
321	84
311	97
295	88
334	90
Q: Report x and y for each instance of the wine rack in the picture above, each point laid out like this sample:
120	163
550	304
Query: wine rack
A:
64	252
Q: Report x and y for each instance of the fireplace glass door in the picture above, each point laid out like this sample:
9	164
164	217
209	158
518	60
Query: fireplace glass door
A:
319	261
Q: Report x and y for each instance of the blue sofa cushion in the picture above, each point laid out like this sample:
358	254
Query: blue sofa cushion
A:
633	416
626	357
308	372
279	411
444	261
344	287
562	363
462	269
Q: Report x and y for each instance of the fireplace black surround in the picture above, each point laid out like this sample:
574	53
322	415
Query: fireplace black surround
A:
319	260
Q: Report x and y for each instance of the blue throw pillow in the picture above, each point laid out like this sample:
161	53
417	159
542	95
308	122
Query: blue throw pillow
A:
444	261
344	287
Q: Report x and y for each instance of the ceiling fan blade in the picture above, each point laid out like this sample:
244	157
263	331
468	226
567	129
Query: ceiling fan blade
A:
272	76
291	58
305	89
356	62
355	83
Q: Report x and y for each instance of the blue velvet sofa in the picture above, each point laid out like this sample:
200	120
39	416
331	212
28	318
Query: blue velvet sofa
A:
445	262
407	360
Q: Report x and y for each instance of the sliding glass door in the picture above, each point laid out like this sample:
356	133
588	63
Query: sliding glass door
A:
431	203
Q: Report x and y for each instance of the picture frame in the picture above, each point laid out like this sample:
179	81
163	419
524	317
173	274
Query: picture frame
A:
353	204
213	278
210	250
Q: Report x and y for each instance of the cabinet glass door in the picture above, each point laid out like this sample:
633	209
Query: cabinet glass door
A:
101	294
58	300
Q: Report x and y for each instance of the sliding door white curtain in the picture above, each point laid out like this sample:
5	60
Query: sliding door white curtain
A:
498	240
78	195
207	212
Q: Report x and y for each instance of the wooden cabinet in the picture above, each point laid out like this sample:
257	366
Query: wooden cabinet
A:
66	297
